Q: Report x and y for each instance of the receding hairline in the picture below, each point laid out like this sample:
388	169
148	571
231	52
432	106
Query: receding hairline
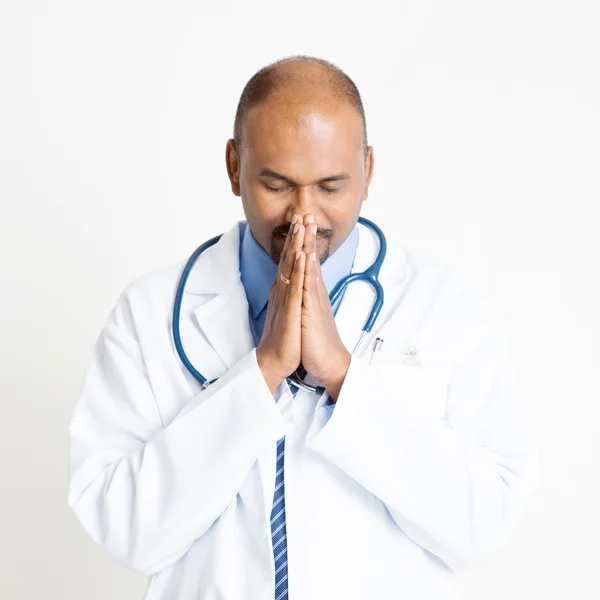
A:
279	76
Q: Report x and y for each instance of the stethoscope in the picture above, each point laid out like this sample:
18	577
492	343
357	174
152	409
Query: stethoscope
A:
370	275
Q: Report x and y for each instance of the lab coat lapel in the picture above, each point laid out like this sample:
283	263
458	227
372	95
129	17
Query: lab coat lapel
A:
222	318
360	296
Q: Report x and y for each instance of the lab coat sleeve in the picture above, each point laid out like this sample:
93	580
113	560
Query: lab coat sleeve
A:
143	491
457	484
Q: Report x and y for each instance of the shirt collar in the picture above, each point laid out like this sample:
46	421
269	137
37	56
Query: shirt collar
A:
258	268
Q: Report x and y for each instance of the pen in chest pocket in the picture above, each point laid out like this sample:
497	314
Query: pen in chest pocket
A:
376	348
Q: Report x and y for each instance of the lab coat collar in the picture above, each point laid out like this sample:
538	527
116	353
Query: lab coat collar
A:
218	268
223	318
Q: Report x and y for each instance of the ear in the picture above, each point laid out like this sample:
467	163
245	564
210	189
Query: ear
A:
369	165
232	163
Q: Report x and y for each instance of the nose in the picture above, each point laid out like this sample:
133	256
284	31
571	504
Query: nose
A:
302	201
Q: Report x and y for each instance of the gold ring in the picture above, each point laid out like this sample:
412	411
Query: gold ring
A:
285	279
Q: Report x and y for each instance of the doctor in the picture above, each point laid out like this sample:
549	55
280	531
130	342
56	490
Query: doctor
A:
416	462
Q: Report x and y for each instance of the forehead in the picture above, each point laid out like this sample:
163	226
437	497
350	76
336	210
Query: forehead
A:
301	138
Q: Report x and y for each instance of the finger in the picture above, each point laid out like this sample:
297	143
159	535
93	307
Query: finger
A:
278	287
309	273
310	238
309	223
295	219
294	289
310	246
287	266
312	276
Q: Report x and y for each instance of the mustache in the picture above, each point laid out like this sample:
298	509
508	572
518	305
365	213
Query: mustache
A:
283	229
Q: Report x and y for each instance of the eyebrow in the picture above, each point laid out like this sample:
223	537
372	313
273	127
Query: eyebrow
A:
269	173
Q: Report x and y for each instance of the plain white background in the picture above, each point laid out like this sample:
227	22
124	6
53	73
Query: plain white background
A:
485	119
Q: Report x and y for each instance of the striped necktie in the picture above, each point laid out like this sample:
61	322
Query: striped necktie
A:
278	529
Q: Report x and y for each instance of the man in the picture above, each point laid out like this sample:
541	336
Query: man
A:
415	462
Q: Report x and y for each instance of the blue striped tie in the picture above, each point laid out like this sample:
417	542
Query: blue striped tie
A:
278	529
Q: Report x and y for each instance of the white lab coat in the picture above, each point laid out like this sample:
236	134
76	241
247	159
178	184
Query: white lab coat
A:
420	470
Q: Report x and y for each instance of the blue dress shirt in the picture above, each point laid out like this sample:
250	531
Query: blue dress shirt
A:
258	269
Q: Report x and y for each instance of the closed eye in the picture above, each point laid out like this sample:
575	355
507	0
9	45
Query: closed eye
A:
272	189
281	189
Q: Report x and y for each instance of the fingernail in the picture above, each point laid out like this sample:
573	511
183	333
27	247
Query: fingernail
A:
315	229
294	219
298	254
313	256
310	219
295	227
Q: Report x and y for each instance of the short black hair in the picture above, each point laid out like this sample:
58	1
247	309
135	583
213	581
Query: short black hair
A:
268	80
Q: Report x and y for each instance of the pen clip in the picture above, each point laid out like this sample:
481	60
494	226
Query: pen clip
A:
376	348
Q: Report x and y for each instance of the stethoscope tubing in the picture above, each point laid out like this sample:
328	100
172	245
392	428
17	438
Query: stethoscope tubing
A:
177	311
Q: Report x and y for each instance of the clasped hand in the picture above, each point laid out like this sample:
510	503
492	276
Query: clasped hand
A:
299	325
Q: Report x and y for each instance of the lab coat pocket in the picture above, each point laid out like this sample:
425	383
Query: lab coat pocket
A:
414	387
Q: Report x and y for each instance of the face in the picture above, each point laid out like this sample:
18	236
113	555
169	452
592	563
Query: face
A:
301	160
